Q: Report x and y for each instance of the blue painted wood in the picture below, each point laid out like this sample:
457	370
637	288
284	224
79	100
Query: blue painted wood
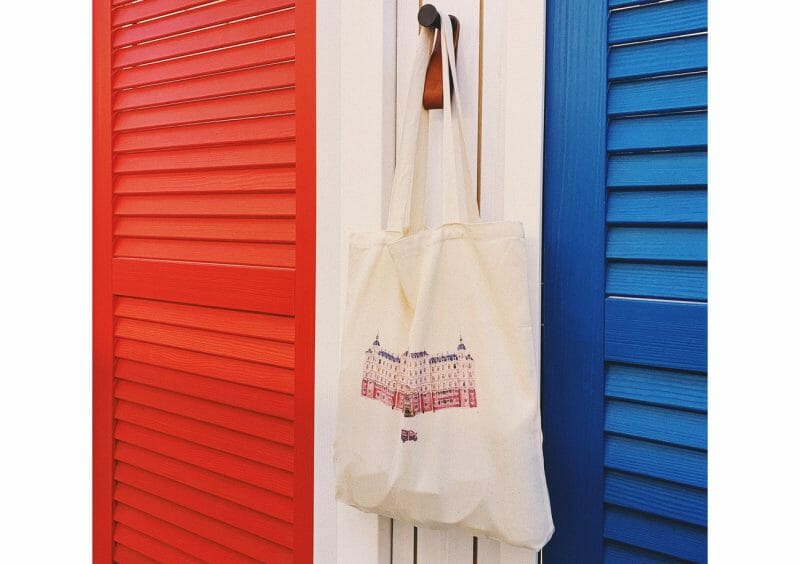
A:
671	207
669	388
623	3
657	170
682	503
682	282
659	95
655	21
670	426
670	463
685	244
574	275
657	333
671	56
660	535
618	553
674	131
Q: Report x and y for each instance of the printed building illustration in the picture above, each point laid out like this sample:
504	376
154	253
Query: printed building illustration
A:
416	382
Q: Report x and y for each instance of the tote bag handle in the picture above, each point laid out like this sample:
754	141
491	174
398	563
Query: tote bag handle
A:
407	203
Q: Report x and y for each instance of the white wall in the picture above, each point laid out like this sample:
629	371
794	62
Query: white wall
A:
364	49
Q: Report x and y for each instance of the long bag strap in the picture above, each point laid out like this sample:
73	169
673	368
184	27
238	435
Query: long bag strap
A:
407	204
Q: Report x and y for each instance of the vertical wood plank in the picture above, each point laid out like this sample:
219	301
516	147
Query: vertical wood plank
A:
102	300
305	278
367	122
329	267
512	156
574	276
402	542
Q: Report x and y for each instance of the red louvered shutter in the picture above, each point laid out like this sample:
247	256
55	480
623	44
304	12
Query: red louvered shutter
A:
204	228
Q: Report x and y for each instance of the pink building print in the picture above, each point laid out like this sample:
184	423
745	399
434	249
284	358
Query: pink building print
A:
416	382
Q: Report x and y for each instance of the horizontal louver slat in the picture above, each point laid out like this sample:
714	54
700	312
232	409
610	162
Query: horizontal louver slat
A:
207	229
226	321
618	553
657	169
218	133
682	282
178	537
253	473
681	503
232	58
224	369
679	17
238	395
152	548
215	507
658	95
220	205
273	154
667	207
250	288
656	333
212	342
268	77
245	31
254	254
669	388
669	426
237	491
232	107
670	463
670	56
193	182
677	244
668	537
206	16
676	131
223	534
147	9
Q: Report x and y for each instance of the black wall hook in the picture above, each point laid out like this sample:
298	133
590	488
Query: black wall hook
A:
433	96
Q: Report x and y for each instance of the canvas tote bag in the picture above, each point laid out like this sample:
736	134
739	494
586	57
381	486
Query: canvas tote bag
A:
438	413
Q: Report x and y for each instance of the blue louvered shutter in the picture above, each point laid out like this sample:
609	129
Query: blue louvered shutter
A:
625	333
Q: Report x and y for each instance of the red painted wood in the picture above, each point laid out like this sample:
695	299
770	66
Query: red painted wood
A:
226	369
196	19
270	327
246	105
277	428
237	491
143	544
102	300
220	205
265	27
305	281
253	473
238	395
125	555
215	507
217	133
204	264
247	180
266	290
206	434
223	534
184	540
236	82
150	9
272	154
211	229
272	51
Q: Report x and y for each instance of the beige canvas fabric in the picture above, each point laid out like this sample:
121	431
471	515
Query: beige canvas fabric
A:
438	415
